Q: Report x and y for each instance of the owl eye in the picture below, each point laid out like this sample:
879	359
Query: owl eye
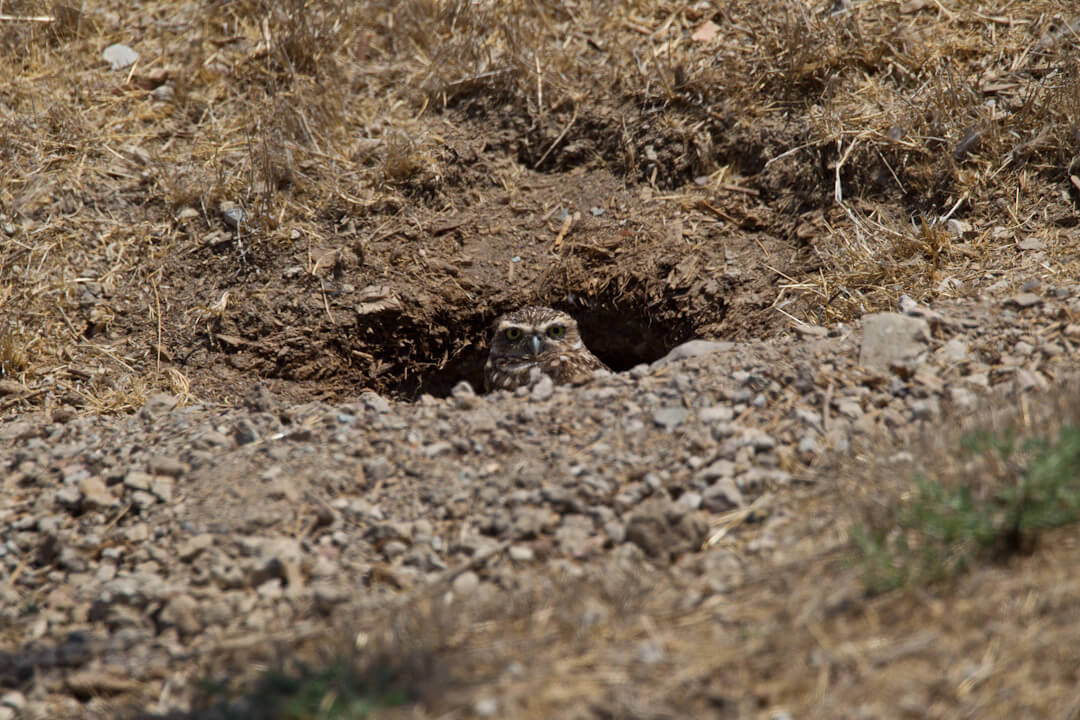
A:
556	331
512	333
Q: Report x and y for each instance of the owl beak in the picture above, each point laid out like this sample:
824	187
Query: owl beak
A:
534	342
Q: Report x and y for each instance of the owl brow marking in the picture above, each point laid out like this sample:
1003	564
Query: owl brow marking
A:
507	324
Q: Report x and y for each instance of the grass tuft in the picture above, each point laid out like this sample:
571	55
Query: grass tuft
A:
944	530
335	691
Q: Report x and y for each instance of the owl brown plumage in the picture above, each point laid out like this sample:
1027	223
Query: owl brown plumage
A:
537	339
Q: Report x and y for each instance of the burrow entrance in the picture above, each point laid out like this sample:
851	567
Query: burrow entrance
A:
622	336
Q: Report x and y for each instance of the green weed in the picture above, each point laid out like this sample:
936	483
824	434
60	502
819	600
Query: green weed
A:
334	692
945	529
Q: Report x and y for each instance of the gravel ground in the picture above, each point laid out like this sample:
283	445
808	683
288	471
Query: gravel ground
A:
134	546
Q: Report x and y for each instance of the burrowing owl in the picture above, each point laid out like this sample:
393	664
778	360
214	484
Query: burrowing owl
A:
541	338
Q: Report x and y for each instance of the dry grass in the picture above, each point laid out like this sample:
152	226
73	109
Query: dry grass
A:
884	119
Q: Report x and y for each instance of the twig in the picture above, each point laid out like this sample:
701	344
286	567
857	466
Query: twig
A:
784	154
838	191
28	18
567	223
157	302
955	207
557	140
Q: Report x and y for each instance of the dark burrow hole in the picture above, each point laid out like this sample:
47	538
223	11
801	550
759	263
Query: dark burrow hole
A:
621	337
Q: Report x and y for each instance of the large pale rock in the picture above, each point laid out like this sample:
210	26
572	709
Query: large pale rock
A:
892	338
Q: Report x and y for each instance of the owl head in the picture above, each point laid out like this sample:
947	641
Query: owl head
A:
532	332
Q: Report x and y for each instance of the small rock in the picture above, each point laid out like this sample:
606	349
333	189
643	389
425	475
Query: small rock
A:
436	449
465	584
190	548
890	338
662	529
849	409
165	465
157	405
14	700
757	439
716	414
69	498
693	348
954	351
162	488
650	653
378	468
715	471
615	531
95	496
120	56
722	495
394	549
135	480
758	478
142	500
1023	301
1029	380
927	409
690	499
486	707
670	417
521	553
376	402
244	432
181	611
233	214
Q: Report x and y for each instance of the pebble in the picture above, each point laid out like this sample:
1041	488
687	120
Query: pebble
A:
1024	301
722	495
670	417
465	584
120	56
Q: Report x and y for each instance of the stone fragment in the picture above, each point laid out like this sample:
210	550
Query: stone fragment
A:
156	406
692	348
465	584
663	529
690	499
521	553
892	338
69	498
162	488
120	56
181	612
244	432
328	596
190	548
136	480
721	496
1023	301
165	465
95	496
716	414
670	417
715	471
93	683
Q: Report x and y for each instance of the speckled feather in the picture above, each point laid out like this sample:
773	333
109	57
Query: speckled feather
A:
538	346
